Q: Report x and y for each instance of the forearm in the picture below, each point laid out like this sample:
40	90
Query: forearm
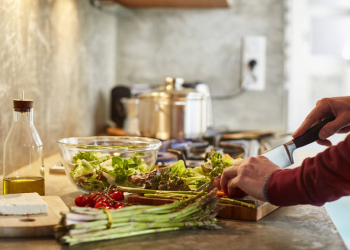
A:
321	179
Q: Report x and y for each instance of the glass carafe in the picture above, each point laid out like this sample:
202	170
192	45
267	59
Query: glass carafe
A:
23	153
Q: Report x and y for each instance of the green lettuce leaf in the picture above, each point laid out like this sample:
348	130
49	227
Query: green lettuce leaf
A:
81	169
178	168
88	156
123	168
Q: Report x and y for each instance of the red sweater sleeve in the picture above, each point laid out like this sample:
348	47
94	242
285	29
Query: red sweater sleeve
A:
323	178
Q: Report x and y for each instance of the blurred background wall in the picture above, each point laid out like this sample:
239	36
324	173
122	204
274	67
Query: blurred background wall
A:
205	45
62	54
317	54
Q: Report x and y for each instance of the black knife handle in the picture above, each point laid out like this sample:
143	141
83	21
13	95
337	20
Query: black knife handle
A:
311	134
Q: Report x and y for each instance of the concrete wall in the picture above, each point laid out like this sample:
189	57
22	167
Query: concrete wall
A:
206	45
62	54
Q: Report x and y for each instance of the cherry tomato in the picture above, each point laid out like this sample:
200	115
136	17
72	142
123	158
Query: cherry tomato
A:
92	199
81	201
100	204
98	200
108	203
118	205
117	196
105	200
112	190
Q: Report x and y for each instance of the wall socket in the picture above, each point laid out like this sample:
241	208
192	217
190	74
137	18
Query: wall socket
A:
254	48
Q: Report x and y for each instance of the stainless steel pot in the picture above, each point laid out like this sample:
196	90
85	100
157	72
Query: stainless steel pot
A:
173	113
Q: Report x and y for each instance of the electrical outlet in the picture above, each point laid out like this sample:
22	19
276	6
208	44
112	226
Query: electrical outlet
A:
254	48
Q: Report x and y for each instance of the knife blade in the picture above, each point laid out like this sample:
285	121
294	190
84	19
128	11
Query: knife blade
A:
282	156
205	185
209	184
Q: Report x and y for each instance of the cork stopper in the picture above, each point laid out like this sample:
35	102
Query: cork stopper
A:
22	105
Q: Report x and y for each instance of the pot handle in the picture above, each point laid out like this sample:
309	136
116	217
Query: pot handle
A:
157	108
179	154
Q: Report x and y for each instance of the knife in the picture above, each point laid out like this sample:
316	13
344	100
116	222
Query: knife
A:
207	185
282	156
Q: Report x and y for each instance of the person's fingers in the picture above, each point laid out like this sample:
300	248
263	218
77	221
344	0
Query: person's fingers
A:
324	142
315	115
308	122
303	127
333	127
215	184
231	185
345	129
227	174
328	143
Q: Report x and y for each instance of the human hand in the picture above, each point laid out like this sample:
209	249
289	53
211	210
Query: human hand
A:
338	107
216	184
249	175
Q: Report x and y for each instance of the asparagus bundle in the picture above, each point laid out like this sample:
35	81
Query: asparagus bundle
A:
83	224
177	195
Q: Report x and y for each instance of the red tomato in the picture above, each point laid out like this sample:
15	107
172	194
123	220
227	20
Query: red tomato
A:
105	200
108	203
118	205
112	190
81	201
92	199
100	204
117	196
98	200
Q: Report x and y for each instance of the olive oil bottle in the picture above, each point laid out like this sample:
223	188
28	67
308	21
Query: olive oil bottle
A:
24	185
23	152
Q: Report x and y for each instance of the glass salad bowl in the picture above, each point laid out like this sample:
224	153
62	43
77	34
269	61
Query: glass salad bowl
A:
94	163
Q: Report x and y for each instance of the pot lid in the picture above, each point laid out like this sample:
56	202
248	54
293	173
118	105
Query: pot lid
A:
171	92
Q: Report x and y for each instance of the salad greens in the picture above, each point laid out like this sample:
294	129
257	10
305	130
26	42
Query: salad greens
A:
196	177
159	180
193	177
94	171
86	172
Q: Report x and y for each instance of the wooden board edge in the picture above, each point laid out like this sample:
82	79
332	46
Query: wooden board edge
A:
230	211
266	209
23	232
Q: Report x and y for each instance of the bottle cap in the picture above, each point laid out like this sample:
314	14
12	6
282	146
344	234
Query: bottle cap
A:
22	105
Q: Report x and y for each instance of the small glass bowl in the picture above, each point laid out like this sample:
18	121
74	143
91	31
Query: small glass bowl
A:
123	146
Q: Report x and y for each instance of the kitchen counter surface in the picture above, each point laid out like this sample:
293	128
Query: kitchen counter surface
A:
297	227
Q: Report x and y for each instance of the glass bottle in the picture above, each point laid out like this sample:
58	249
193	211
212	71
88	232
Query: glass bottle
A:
23	153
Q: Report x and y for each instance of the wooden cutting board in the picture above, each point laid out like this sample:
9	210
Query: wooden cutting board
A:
33	225
229	211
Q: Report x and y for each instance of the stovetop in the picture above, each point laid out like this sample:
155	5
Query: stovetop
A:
195	152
